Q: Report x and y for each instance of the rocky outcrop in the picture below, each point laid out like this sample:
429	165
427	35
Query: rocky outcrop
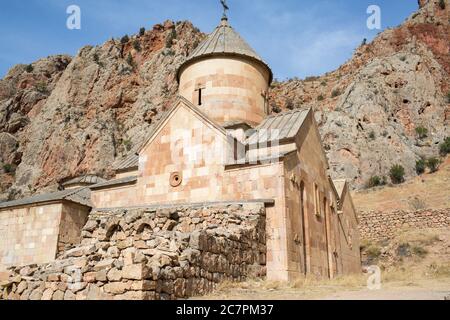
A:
76	115
369	108
147	254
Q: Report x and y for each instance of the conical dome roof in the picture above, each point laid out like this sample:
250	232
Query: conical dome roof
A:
224	40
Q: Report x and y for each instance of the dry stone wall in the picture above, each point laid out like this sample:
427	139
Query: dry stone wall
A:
383	225
149	253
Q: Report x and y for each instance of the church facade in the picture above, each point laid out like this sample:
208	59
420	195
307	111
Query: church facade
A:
217	144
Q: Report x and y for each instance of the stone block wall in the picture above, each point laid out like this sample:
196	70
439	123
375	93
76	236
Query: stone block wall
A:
383	225
150	253
29	235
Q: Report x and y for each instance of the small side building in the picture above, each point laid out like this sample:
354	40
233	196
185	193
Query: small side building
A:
35	229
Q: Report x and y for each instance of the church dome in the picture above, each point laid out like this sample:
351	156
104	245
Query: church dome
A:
224	41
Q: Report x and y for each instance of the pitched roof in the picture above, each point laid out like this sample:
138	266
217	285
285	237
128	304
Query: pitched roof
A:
86	179
181	101
224	40
116	182
279	127
81	196
127	163
339	185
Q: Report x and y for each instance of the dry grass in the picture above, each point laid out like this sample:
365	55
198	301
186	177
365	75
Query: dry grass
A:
432	187
424	237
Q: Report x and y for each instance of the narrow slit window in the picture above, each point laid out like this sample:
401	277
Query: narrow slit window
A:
200	96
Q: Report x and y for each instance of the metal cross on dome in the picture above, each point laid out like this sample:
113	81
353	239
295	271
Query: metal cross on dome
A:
225	7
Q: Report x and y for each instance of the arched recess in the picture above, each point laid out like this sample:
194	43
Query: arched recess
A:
304	218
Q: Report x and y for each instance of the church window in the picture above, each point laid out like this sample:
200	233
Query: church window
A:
317	208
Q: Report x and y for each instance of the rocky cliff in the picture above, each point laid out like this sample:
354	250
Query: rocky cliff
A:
63	116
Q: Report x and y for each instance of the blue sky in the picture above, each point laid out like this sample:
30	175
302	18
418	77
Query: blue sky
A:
296	37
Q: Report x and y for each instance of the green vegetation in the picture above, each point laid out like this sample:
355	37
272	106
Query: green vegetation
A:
335	93
172	36
128	144
289	104
444	147
433	164
125	39
448	97
323	83
403	58
421	132
137	45
371	249
41	87
8	168
29	68
372	135
320	98
397	174
376	181
141	31
442	4
276	109
420	166
130	59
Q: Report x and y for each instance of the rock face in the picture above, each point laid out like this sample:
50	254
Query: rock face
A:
369	108
78	115
71	116
147	254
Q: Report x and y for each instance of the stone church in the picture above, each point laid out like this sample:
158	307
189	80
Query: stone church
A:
217	144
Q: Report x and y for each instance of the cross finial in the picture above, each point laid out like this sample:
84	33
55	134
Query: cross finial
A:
225	8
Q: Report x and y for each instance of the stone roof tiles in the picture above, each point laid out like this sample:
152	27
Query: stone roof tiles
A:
116	182
224	40
81	196
130	162
86	179
279	127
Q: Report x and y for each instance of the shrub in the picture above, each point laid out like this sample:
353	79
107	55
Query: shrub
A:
373	251
289	104
29	68
442	4
130	59
141	31
41	87
419	251
420	166
403	58
320	98
417	204
372	135
397	174
421	132
335	93
444	147
276	109
8	168
136	45
374	182
433	164
323	83
448	97
169	40
128	144
124	39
